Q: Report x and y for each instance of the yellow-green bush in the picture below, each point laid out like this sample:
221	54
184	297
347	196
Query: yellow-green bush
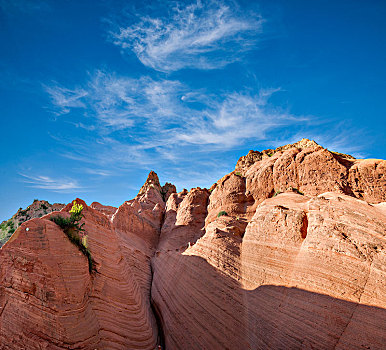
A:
72	228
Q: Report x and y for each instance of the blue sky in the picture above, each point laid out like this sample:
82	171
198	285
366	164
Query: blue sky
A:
95	94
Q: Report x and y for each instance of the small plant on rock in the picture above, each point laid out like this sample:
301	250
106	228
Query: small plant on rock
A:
293	189
222	213
72	228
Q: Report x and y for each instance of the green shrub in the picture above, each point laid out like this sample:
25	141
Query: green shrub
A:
74	238
276	193
8	226
237	173
297	191
222	213
64	223
20	221
23	212
71	227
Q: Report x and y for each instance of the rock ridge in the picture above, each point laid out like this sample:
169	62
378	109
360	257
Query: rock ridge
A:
37	209
153	181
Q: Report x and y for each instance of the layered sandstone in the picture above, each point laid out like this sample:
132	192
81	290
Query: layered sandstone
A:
36	210
286	252
309	272
48	298
312	169
296	261
107	210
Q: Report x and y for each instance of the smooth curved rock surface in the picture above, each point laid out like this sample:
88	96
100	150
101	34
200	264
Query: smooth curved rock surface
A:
49	299
309	272
298	261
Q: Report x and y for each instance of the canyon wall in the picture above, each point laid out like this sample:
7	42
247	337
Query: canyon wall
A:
286	252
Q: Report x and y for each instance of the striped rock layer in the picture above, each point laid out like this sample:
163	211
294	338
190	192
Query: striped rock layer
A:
286	252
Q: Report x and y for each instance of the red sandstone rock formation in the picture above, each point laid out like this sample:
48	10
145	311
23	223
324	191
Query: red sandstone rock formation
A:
36	210
108	210
297	261
49	300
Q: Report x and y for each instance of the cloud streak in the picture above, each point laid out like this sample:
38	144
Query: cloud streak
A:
164	125
150	123
64	99
204	35
164	116
48	183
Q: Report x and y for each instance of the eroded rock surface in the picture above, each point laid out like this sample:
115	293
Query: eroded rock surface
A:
312	169
36	210
49	299
286	252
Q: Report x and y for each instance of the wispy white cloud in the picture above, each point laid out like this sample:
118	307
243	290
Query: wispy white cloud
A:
106	152
165	115
164	124
119	102
64	99
207	34
98	172
236	118
48	183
